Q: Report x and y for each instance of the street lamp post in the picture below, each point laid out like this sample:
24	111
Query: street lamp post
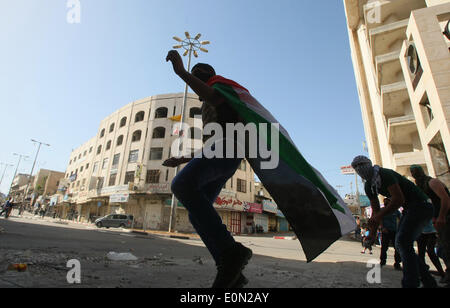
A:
17	168
4	171
32	168
191	45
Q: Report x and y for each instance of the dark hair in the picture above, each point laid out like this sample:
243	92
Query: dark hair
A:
207	71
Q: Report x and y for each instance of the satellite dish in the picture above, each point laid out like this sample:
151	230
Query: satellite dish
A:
413	59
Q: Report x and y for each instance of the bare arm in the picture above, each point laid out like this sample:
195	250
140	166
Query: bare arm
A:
204	91
397	201
440	191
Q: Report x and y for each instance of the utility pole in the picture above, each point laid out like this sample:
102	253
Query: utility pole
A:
4	171
191	45
17	168
32	168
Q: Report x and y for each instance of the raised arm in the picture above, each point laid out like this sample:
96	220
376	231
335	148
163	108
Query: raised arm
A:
204	91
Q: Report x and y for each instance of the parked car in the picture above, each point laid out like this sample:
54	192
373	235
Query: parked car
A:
115	221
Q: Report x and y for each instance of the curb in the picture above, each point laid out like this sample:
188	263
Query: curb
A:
289	238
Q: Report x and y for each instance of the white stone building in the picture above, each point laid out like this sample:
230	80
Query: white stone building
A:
120	169
402	67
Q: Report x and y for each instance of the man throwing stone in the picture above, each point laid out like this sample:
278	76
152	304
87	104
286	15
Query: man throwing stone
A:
201	180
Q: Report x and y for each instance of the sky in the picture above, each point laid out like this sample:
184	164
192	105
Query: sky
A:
59	80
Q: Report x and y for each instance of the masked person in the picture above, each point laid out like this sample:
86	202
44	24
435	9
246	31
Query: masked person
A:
416	214
439	195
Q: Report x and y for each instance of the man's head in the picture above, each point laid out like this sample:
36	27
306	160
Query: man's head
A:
363	166
203	71
417	172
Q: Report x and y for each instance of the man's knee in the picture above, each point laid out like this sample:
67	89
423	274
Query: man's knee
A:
180	185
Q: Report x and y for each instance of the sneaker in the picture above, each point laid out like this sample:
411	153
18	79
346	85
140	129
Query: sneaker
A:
233	262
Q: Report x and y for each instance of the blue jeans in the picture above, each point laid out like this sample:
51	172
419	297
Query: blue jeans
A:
410	228
197	186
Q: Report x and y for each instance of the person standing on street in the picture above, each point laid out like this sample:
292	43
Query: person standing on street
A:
417	212
6	206
440	197
389	231
426	243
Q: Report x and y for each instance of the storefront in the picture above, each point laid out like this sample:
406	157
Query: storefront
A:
270	209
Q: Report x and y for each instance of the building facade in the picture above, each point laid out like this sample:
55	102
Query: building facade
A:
402	68
120	169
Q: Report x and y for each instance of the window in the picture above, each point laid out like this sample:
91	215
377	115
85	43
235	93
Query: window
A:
99	149
123	122
108	145
133	157
120	140
81	169
195	112
87	166
100	182
70	162
241	186
112	180
79	156
102	133
156	153
105	163
195	133
161	113
129	177
90	150
95	167
139	116
75	159
159	133
167	175
85	153
153	176
116	160
111	128
136	136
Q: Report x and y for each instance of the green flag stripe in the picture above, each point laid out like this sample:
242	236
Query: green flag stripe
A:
288	152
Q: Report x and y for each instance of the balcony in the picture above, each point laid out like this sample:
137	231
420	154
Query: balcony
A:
388	38
400	130
389	11
389	69
409	158
393	97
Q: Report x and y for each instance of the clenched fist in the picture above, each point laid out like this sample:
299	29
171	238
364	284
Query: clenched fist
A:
177	62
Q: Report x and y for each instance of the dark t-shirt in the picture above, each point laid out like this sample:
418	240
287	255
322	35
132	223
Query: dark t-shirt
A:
411	192
425	186
220	114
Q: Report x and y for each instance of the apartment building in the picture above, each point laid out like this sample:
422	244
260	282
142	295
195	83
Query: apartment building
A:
120	169
402	67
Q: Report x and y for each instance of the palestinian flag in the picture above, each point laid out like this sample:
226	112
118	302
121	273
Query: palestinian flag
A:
312	207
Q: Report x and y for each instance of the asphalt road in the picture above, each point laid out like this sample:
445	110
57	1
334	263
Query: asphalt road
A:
169	263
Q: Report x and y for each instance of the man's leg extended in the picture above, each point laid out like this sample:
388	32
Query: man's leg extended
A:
197	186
